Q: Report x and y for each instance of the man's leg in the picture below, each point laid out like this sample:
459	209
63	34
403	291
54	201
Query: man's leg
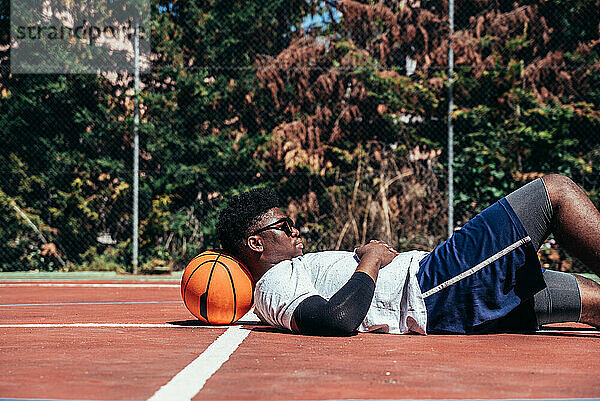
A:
590	300
575	224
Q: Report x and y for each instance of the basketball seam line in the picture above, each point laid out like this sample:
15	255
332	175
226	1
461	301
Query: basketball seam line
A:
188	280
208	286
244	268
234	294
240	264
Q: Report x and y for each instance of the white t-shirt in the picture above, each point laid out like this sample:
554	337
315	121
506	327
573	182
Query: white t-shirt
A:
397	306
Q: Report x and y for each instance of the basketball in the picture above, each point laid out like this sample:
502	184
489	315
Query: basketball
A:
217	288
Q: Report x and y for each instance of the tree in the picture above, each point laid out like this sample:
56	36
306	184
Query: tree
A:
347	119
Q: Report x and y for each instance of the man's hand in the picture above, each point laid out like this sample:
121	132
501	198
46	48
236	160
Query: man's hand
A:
374	256
378	249
347	308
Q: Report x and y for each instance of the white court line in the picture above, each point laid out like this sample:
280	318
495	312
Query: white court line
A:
242	321
375	399
113	325
187	383
249	318
94	325
568	332
113	285
91	303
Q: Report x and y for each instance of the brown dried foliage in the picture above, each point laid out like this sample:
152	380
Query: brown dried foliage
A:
390	25
380	29
399	203
560	81
329	102
326	100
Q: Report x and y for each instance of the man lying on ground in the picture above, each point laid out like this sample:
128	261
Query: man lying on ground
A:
485	278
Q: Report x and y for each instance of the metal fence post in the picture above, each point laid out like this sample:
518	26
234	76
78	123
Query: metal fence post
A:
136	146
450	126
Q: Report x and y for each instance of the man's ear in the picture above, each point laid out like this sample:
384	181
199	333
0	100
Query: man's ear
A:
255	243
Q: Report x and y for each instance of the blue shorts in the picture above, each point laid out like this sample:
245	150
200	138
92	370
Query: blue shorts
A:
480	279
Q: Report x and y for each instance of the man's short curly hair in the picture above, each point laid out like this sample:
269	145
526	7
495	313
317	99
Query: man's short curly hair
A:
241	213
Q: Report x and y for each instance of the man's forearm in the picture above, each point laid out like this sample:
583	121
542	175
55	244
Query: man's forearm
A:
347	308
342	314
369	264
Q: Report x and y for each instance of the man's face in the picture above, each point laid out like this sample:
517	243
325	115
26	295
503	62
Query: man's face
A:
280	239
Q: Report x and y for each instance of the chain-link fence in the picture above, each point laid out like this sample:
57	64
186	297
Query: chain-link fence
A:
342	106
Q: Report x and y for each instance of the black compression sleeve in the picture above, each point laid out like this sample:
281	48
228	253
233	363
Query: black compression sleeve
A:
342	314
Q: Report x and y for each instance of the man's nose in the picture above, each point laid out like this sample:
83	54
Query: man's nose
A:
295	232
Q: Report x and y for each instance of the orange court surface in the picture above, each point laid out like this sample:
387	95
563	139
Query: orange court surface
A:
131	338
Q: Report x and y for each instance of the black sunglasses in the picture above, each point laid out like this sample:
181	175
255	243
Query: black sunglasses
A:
287	227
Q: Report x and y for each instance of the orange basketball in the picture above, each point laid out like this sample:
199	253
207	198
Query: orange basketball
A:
217	288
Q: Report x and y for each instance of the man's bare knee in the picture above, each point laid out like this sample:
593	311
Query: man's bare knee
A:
560	189
589	291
